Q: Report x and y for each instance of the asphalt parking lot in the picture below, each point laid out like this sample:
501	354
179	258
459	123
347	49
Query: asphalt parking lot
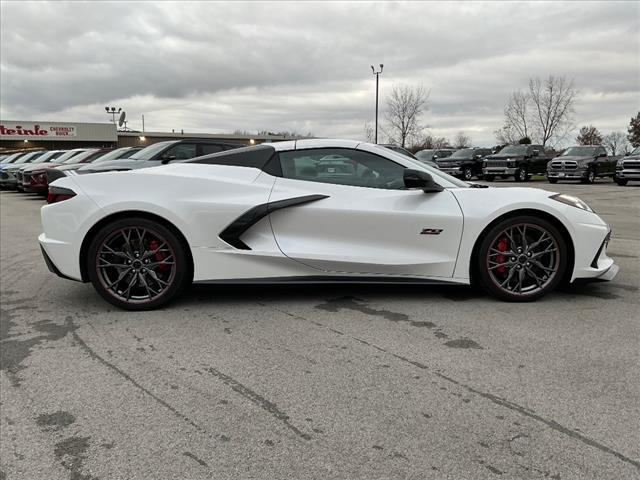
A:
370	382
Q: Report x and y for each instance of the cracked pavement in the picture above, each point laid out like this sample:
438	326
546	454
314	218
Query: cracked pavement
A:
358	382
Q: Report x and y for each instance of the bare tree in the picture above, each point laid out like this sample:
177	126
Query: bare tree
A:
589	136
368	132
616	142
506	136
517	114
552	102
405	106
429	141
462	140
634	131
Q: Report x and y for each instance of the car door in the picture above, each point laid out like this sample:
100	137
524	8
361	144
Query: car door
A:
361	218
603	163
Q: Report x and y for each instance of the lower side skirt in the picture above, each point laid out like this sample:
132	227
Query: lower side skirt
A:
337	279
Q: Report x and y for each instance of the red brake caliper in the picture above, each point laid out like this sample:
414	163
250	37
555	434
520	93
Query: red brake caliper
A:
159	256
503	246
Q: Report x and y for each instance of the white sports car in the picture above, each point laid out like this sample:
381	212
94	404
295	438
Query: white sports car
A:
313	211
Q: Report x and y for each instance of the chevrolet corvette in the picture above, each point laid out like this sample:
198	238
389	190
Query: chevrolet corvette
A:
313	211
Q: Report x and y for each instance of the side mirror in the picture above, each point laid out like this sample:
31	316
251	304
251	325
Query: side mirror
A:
167	158
435	157
420	179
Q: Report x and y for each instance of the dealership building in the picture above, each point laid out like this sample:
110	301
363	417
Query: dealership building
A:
30	134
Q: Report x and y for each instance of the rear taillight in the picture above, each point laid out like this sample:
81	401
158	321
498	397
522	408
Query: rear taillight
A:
58	194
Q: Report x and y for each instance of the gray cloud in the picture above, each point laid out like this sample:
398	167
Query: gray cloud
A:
219	67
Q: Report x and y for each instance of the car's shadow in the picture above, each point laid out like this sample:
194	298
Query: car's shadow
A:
309	292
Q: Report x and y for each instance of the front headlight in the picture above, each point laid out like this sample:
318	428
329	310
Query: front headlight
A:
573	201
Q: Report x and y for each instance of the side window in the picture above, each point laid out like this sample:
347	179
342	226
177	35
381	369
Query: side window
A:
343	167
208	148
601	151
182	151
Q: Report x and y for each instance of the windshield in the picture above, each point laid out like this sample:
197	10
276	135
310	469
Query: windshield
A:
11	158
48	156
28	157
68	154
579	152
80	157
151	151
115	154
425	154
464	153
514	150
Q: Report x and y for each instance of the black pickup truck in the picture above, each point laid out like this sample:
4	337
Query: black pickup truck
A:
628	168
465	163
519	161
584	163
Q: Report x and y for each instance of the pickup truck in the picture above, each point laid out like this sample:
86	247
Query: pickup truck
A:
584	163
465	163
519	161
628	168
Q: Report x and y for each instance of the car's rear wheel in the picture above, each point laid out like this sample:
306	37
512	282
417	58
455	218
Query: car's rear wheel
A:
137	264
521	259
620	181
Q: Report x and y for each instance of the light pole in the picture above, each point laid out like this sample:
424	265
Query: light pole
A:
377	74
113	112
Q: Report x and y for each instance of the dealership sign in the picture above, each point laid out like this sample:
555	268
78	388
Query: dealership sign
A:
36	130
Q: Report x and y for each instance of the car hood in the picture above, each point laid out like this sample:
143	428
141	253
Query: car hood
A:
449	159
632	157
118	165
502	157
575	158
12	167
40	166
73	166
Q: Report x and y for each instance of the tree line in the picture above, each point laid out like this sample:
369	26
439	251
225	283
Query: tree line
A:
542	113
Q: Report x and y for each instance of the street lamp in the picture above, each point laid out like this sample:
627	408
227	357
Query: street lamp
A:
113	112
377	74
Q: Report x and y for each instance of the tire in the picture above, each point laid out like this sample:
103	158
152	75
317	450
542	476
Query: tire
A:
148	268
500	275
552	180
521	174
590	178
620	181
489	178
467	174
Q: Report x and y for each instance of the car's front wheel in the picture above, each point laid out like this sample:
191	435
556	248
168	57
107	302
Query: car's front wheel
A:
137	264
521	259
521	174
591	176
467	174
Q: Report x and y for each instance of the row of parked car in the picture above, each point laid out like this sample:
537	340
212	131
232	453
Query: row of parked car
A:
584	163
32	171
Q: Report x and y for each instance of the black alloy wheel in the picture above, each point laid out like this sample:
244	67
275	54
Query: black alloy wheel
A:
521	174
620	181
521	259
591	176
467	173
137	264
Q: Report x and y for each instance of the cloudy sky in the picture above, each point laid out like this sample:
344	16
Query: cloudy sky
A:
217	67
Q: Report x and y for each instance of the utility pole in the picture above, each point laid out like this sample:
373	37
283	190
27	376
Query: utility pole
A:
377	74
